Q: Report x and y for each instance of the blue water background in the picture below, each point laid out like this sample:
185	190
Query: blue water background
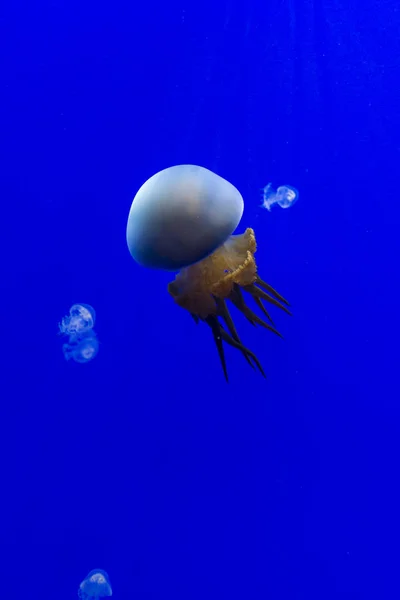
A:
145	462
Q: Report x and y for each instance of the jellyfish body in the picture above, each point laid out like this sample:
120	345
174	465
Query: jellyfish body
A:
80	320
82	344
82	350
95	585
203	290
183	218
181	215
285	196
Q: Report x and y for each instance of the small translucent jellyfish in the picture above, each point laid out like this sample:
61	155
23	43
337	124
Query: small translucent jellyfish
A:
80	320
95	585
82	350
285	196
82	343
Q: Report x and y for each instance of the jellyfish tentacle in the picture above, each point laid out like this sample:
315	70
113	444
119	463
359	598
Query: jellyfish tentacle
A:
271	290
229	340
258	292
261	306
236	297
212	321
223	310
239	302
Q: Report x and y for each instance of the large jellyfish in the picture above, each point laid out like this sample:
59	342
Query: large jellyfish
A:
95	585
182	219
82	345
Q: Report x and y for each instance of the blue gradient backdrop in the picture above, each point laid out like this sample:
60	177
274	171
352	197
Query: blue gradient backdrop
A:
145	462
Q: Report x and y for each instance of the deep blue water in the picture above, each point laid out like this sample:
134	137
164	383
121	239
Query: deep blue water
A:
145	462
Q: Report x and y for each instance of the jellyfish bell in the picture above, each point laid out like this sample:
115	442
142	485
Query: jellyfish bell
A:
85	312
181	215
287	195
95	585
